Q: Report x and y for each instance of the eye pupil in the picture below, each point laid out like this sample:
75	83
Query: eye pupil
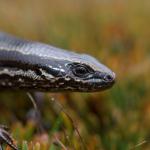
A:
80	71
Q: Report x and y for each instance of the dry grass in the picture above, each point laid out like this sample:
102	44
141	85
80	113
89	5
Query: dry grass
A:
116	32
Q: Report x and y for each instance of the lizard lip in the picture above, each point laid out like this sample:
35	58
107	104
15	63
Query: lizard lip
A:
108	81
107	85
102	84
111	79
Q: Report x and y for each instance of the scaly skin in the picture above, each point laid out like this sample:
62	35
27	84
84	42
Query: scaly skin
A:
30	65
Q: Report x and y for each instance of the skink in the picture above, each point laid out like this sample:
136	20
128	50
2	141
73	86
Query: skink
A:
29	65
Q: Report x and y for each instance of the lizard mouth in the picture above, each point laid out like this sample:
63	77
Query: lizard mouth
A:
108	81
104	81
102	85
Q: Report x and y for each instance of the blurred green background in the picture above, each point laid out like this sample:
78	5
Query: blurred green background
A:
117	33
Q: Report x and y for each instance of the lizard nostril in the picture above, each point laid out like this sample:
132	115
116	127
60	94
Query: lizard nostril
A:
108	77
105	76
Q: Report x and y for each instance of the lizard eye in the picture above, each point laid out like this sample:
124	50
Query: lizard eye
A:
80	71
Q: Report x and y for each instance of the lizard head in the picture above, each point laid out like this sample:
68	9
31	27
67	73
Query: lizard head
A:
90	75
82	73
